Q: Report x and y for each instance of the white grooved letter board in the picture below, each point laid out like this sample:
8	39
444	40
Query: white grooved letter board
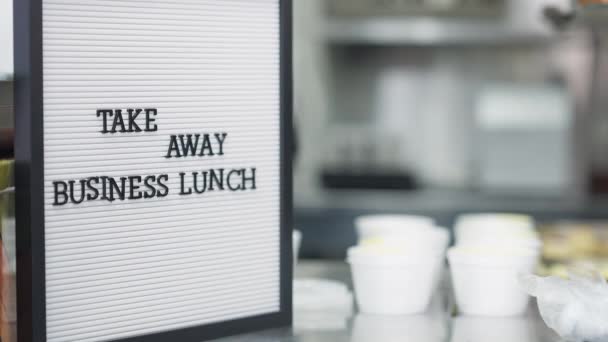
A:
127	268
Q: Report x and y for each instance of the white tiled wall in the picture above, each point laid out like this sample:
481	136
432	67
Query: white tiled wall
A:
6	38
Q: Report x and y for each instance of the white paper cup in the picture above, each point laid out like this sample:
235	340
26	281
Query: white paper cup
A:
393	284
485	281
390	225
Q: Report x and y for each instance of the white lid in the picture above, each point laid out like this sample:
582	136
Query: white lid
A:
494	226
379	225
499	220
435	239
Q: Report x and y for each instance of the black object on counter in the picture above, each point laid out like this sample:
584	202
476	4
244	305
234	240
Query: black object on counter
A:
367	180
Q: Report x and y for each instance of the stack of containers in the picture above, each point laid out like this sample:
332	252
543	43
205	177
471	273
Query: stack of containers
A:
491	251
397	263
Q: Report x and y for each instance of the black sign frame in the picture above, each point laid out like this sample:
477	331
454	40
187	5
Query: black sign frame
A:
29	184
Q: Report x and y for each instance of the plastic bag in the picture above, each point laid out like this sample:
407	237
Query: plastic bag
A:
576	308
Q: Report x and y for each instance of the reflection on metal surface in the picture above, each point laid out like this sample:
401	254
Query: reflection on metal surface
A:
481	329
427	328
433	326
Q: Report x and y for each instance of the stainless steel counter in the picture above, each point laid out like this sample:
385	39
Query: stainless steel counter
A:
437	325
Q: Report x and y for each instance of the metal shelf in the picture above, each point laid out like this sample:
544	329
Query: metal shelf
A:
421	31
416	7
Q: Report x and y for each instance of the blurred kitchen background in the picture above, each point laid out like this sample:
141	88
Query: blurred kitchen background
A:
443	107
438	107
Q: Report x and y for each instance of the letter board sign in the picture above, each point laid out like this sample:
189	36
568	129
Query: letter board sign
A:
153	169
